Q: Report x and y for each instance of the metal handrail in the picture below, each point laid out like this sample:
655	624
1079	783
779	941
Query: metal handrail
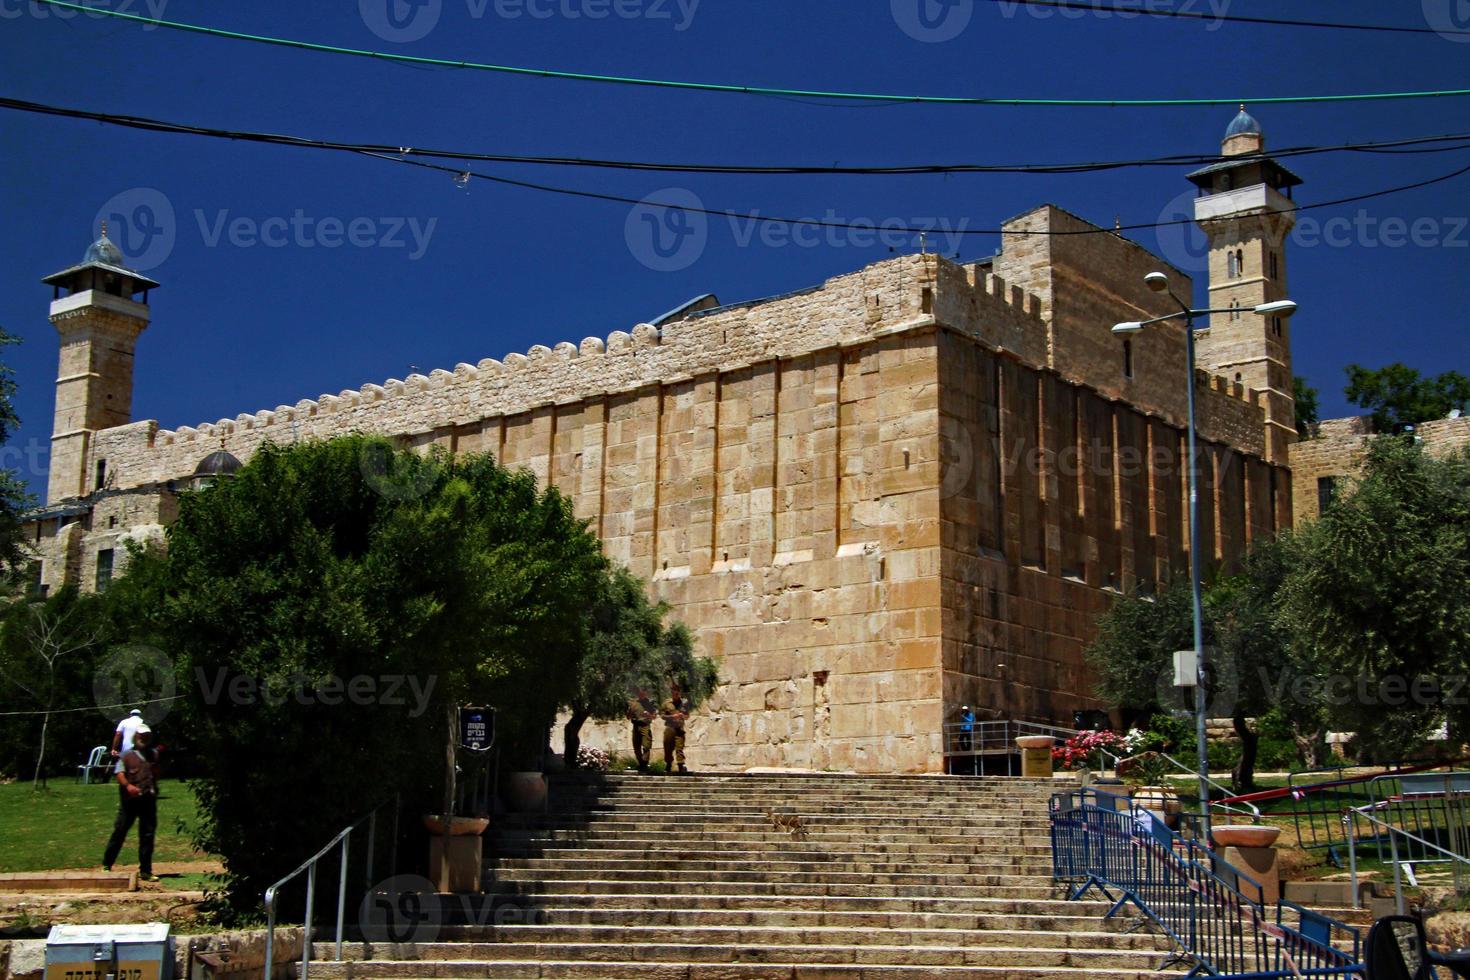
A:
1251	810
1350	818
1203	904
344	838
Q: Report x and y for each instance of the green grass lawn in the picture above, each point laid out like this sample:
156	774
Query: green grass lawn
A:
67	825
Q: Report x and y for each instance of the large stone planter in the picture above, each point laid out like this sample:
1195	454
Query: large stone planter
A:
1036	755
525	791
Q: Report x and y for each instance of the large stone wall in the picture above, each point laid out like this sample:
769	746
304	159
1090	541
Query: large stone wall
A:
912	486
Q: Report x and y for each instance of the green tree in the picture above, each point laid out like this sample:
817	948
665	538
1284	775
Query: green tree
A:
1377	588
1305	397
326	607
1397	395
1249	667
15	500
630	646
47	649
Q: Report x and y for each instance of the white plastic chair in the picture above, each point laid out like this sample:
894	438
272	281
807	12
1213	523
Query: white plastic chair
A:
97	760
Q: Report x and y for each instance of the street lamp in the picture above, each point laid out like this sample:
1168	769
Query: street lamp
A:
1159	283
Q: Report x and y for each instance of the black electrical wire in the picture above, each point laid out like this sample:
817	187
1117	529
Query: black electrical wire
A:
1143	10
1417	144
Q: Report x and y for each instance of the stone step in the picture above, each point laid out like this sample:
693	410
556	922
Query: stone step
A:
555	969
731	818
617	937
1011	886
789	846
793	932
985	907
783	848
741	869
465	959
1059	923
630	832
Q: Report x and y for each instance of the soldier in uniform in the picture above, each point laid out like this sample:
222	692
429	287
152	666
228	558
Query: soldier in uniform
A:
675	711
641	710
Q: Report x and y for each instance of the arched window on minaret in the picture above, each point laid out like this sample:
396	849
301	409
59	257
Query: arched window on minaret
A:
1127	358
1235	309
1231	269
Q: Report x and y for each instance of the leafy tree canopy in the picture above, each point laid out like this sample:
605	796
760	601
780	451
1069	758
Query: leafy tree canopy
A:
1377	589
15	500
325	605
1305	397
1397	395
629	646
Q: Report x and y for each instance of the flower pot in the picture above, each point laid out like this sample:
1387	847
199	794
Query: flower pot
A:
458	826
1245	835
525	791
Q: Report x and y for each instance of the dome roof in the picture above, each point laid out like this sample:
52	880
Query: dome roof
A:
217	463
1244	124
103	251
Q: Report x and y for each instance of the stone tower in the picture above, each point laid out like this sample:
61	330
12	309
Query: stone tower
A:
99	307
1246	212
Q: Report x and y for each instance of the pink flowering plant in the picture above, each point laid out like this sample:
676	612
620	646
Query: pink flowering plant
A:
1086	748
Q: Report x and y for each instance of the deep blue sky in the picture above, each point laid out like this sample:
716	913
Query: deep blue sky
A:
243	326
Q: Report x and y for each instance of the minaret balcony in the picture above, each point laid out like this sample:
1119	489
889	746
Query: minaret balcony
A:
1255	199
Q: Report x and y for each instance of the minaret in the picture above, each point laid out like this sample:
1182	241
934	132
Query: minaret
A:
98	312
1246	212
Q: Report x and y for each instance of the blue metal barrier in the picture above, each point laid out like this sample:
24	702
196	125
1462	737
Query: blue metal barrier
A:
1210	910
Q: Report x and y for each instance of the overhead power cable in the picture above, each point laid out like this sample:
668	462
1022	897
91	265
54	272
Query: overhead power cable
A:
898	229
728	88
1145	10
1417	144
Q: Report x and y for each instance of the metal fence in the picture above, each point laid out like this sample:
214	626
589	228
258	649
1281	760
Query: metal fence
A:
1210	911
988	747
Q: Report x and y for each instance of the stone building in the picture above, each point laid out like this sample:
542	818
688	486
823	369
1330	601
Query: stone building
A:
910	487
1322	466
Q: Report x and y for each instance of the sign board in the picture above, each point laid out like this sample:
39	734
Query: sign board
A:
476	728
126	952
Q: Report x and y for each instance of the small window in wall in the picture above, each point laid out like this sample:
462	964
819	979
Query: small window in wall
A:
101	474
1276	325
104	569
1127	358
1273	266
1235	309
34	573
1326	491
926	300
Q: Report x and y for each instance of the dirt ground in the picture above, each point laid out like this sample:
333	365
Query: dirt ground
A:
31	915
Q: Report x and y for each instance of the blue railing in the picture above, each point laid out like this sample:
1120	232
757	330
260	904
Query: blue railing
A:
1212	912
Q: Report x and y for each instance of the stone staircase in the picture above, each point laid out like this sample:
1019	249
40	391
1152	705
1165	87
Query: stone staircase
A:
686	877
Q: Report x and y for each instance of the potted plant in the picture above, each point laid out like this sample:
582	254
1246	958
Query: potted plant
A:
1146	774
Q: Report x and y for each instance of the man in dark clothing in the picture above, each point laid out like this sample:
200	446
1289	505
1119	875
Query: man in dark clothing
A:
137	782
641	711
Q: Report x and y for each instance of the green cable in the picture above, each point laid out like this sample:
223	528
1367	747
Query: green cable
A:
741	89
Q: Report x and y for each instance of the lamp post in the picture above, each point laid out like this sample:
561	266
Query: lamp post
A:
1159	283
